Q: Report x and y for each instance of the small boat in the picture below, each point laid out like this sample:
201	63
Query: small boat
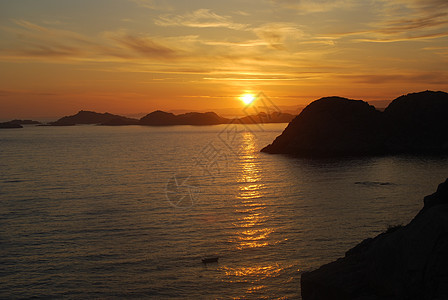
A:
209	260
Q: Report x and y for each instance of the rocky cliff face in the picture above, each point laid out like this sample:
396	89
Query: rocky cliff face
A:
409	262
334	126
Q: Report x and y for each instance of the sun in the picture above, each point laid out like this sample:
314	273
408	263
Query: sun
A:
247	98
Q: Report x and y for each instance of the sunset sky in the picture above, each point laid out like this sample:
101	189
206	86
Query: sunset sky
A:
132	56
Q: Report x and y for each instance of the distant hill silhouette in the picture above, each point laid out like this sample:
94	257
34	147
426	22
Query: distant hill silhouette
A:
262	117
9	125
334	126
90	117
24	122
161	118
18	123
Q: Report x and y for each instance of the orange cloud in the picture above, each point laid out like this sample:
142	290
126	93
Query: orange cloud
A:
201	18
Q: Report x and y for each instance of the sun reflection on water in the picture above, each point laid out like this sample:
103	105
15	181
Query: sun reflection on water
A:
260	272
251	224
252	229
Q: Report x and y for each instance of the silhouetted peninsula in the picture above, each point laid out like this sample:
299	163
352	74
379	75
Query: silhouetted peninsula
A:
405	262
333	126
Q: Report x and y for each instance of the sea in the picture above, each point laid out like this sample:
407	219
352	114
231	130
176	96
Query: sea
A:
97	212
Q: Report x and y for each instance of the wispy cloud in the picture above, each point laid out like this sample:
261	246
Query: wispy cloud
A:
403	20
29	25
53	51
200	18
275	34
400	25
33	40
436	77
277	52
431	6
313	6
140	52
145	46
26	31
402	38
39	42
441	51
417	25
152	4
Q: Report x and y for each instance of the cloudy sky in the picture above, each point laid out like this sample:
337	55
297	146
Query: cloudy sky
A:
131	56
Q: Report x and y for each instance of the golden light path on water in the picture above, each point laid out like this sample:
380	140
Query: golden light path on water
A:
252	230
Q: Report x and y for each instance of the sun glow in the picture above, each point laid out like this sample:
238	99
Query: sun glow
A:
247	98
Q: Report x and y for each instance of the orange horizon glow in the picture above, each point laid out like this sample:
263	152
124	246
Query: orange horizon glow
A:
137	56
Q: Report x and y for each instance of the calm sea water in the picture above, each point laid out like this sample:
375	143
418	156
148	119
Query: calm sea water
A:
112	212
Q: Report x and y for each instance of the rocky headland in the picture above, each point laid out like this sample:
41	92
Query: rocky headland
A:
334	126
405	262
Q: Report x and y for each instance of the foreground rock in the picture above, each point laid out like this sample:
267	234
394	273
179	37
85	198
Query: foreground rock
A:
409	262
334	126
